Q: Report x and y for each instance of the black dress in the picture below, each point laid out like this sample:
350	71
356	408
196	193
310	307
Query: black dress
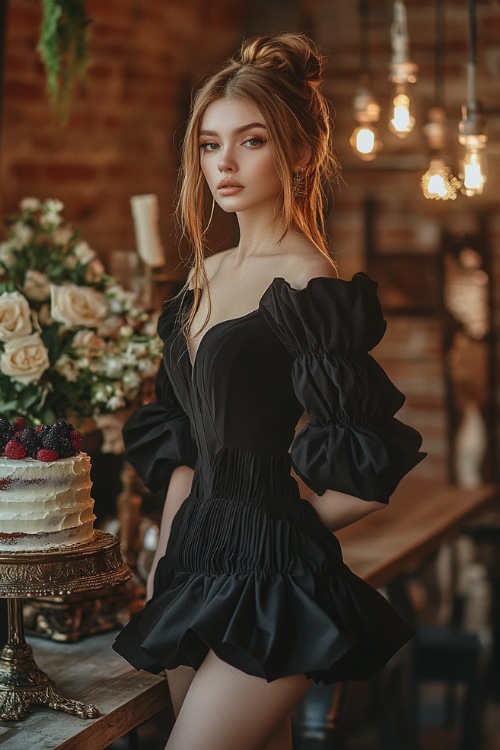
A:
250	571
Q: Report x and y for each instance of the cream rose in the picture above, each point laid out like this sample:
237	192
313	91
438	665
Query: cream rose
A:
15	317
89	342
36	286
25	359
77	305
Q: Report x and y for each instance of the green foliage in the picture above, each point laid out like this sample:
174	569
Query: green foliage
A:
63	46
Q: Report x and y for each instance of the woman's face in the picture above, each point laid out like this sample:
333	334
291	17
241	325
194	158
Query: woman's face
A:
236	157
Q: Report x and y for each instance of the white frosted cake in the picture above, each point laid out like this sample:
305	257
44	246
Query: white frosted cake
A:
45	502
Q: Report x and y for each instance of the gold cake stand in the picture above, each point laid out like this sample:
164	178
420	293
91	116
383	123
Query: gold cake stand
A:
93	565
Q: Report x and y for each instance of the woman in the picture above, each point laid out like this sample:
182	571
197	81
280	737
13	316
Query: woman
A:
251	598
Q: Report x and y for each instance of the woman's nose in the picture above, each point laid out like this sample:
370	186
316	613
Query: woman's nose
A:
226	162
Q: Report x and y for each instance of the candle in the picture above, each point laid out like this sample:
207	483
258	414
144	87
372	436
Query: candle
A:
145	215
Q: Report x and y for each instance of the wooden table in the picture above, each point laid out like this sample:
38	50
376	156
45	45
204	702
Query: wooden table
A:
91	672
421	516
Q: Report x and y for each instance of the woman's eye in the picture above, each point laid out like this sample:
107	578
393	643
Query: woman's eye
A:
254	142
209	146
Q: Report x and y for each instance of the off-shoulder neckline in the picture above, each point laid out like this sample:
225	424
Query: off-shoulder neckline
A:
313	281
277	281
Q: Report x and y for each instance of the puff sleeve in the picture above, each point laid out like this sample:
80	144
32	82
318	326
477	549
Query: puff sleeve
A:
353	443
158	436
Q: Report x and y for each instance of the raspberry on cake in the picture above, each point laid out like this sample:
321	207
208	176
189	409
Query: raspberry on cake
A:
45	484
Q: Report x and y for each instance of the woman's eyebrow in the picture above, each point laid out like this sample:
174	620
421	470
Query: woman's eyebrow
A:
238	130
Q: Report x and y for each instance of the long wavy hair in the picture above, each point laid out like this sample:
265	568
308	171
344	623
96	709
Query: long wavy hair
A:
281	76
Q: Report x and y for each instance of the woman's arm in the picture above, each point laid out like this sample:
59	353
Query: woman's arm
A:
336	509
178	489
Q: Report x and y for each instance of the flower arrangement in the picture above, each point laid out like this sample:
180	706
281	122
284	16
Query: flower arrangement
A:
73	342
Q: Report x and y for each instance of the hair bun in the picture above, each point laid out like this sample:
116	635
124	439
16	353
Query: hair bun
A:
294	55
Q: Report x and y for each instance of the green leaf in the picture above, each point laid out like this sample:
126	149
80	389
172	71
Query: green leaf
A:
63	47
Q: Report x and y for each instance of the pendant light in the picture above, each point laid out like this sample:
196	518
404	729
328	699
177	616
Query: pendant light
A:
438	182
471	130
403	73
364	139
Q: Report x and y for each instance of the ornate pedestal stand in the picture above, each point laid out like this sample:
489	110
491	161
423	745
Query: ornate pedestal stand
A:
91	566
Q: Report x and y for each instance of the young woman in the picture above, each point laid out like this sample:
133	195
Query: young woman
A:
251	598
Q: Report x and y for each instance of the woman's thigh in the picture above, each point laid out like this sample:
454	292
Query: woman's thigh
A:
226	709
179	681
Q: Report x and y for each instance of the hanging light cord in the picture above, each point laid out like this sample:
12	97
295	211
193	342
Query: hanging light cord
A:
439	54
471	65
364	55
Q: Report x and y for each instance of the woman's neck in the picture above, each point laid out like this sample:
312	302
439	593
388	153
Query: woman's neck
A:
260	234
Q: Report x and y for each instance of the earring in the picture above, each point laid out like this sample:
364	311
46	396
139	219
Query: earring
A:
298	187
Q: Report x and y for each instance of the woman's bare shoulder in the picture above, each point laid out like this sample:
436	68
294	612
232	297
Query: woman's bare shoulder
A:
211	263
304	266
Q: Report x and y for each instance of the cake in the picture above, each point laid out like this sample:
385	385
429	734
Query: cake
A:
45	484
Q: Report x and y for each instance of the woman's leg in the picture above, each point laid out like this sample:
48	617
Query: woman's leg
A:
179	681
282	739
226	709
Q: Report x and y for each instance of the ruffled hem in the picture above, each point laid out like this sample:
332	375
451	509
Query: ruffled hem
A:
271	626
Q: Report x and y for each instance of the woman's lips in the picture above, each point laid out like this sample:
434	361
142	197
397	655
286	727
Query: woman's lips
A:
229	187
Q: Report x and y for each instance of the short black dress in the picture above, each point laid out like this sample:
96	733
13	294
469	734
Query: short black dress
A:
250	571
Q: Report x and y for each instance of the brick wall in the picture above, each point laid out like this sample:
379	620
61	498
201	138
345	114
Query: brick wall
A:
123	135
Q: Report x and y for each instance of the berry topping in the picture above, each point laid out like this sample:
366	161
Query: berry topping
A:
46	454
14	449
76	439
59	440
31	441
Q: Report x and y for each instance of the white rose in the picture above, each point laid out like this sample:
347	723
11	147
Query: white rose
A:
21	234
25	359
77	305
113	367
61	235
15	317
7	253
88	341
53	205
131	381
36	285
50	219
30	204
147	368
83	252
115	403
